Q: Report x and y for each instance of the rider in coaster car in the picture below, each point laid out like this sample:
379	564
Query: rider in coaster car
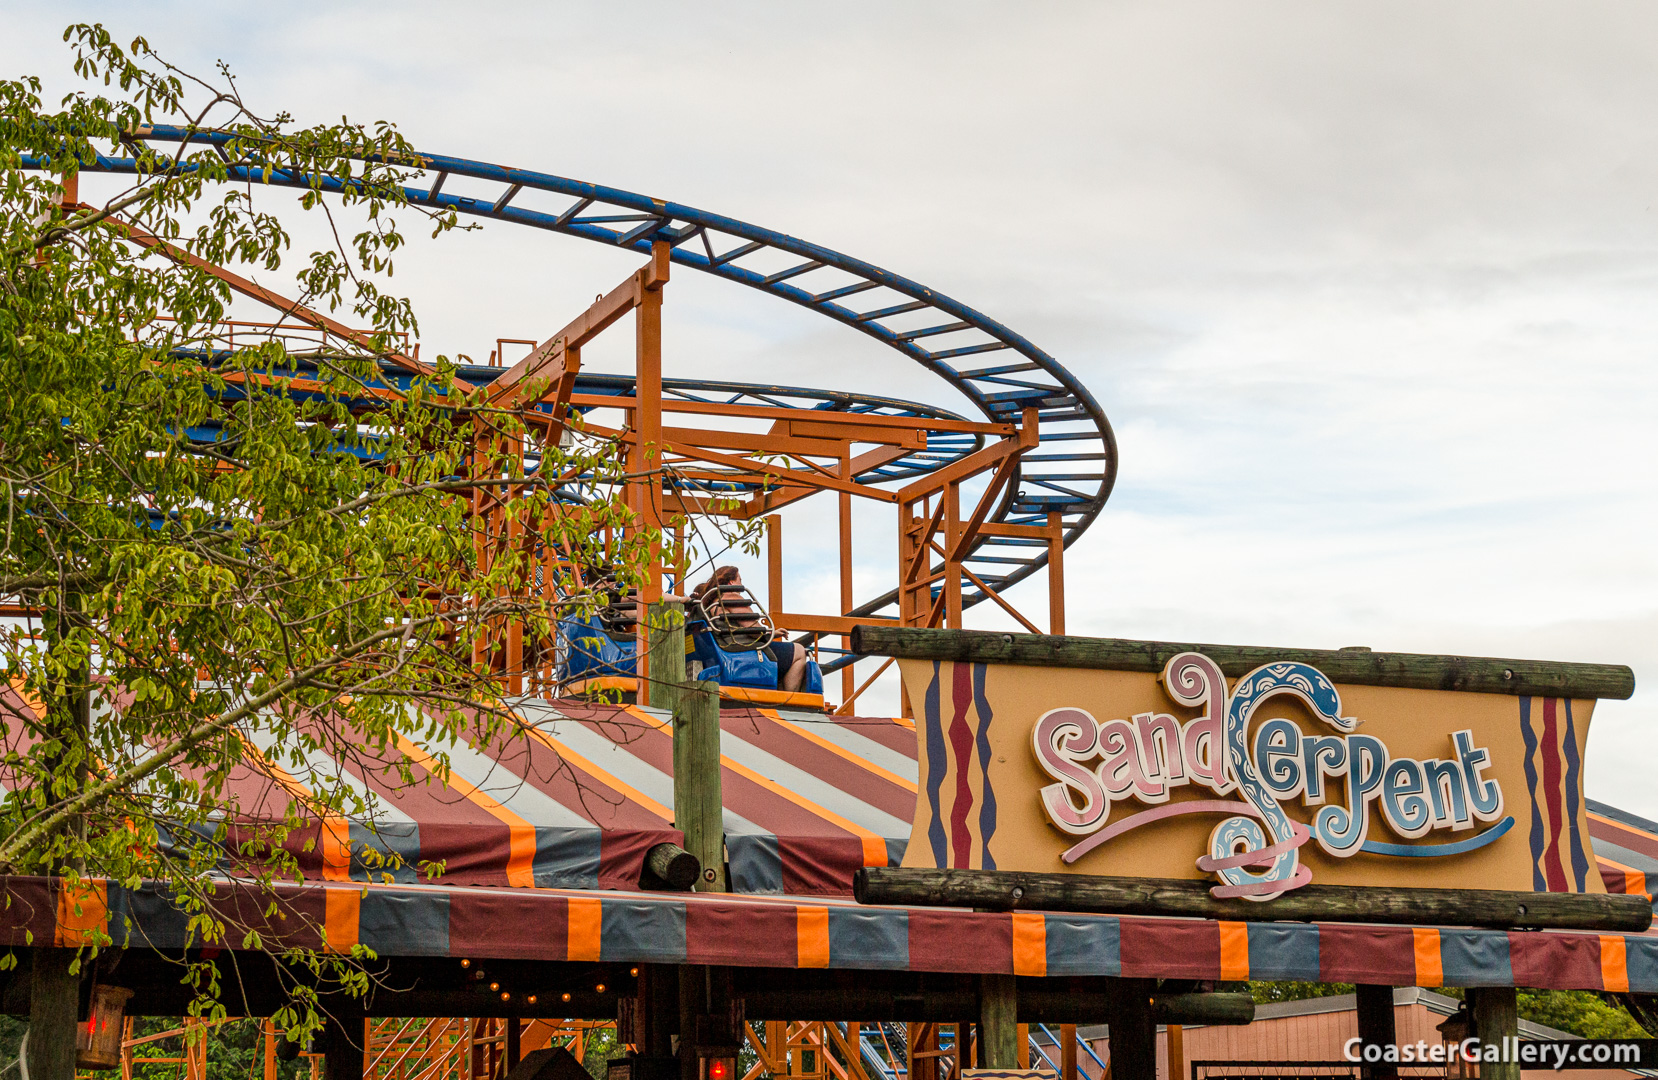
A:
791	658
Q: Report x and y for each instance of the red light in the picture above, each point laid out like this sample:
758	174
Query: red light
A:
716	1070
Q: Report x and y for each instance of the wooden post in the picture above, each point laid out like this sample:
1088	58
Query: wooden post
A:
1375	1016
1497	1020
657	1018
1177	1052
270	1051
1068	1052
1056	574
698	809
1133	1031
666	622
54	998
342	1056
693	983
1024	1046
998	1021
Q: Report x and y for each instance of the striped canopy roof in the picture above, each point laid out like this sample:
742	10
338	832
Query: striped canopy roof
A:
587	789
809	799
569	810
577	801
1626	848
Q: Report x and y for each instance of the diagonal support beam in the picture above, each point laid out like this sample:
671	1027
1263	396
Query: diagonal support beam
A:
292	308
558	359
970	528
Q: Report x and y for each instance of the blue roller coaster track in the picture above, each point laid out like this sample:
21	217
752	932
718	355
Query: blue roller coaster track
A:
1000	372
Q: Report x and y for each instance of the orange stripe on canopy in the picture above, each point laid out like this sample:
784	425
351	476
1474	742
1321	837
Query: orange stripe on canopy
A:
520	833
1430	967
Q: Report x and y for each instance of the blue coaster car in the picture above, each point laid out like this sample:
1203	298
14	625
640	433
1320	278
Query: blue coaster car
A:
590	650
754	667
728	636
603	644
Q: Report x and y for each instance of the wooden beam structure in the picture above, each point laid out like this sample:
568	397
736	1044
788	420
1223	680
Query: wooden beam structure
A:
1358	667
1005	890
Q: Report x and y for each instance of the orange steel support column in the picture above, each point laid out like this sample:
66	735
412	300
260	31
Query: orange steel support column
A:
952	569
514	529
774	562
910	548
646	460
1056	574
847	683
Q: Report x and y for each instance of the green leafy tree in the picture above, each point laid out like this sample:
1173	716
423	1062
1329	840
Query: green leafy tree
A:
1579	1012
1265	993
227	557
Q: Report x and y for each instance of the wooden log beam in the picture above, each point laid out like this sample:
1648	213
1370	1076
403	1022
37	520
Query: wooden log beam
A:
1005	890
673	866
1203	1008
1357	667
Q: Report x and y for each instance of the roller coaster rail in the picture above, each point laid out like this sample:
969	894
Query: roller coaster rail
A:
1074	480
1046	487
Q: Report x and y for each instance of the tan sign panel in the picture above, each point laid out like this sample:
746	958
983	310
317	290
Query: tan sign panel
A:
1261	783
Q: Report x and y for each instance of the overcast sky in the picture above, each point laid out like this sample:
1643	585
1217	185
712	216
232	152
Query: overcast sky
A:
1367	290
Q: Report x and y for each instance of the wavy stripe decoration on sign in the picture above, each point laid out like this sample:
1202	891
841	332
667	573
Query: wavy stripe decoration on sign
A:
1263	783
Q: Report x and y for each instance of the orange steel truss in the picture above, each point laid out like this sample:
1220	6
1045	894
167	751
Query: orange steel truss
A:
798	455
769	457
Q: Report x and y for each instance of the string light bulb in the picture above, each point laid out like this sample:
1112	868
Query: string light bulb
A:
495	986
566	997
530	999
599	989
634	972
465	963
505	996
